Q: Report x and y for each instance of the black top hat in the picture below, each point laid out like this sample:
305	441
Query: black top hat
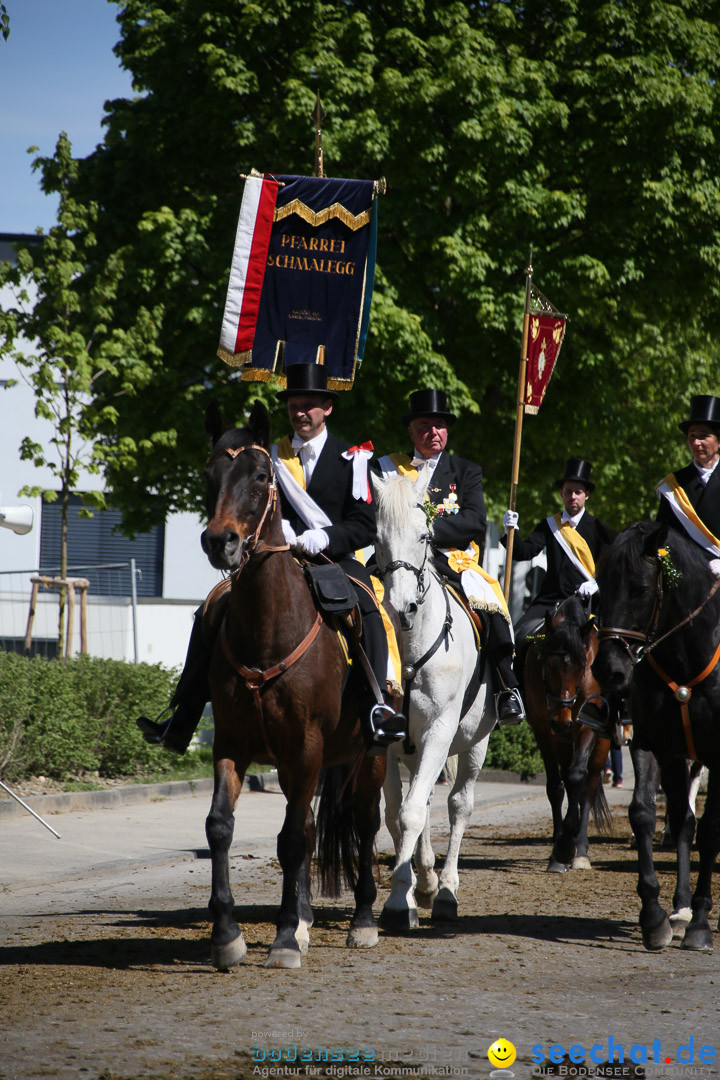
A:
577	468
306	379
429	403
704	409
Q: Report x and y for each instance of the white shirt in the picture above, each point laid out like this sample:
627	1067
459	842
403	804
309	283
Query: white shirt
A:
574	521
309	452
431	463
705	474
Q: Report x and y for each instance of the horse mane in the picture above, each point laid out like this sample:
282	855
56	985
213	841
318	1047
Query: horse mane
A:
629	553
397	500
565	637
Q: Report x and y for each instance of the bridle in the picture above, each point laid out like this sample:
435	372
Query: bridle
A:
637	643
418	571
253	544
410	670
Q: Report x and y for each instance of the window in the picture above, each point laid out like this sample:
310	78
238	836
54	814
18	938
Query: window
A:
94	542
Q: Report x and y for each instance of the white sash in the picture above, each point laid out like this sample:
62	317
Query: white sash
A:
557	533
303	504
666	492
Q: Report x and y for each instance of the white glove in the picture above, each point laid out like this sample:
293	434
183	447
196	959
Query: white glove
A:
289	533
313	540
714	565
510	520
588	588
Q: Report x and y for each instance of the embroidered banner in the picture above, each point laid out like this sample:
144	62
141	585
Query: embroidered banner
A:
317	262
545	337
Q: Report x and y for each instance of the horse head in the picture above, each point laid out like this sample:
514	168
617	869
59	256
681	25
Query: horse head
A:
568	648
402	543
630	576
239	487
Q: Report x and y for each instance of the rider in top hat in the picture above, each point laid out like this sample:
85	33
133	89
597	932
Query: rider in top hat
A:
690	498
572	539
455	489
327	507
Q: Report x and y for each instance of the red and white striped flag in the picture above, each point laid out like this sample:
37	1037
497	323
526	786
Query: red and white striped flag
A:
247	269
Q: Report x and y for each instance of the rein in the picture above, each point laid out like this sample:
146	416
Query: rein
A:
256	679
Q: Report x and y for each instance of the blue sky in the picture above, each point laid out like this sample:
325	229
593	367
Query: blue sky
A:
57	69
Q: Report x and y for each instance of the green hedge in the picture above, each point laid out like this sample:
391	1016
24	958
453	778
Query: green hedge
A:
514	749
63	719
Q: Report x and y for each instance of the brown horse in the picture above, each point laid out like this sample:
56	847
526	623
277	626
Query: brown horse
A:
558	682
276	681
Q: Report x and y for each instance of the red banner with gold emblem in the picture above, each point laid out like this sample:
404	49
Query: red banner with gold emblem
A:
545	336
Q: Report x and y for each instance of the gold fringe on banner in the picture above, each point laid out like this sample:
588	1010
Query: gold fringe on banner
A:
337	210
256	374
234	359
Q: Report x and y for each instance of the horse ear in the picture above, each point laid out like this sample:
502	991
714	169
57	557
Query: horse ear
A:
655	537
214	425
378	482
259	424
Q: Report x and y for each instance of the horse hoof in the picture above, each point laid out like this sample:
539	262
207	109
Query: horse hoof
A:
555	867
302	936
679	921
658	937
425	900
399	921
581	862
362	937
224	957
445	907
283	958
698	939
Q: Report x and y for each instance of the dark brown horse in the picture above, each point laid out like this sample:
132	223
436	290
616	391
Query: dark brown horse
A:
276	682
558	682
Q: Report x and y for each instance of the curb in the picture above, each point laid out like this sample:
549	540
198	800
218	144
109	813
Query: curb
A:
130	795
133	794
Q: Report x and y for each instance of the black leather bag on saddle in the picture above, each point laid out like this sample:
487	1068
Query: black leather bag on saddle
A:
333	591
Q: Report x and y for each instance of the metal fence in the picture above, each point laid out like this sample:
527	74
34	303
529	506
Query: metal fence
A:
105	619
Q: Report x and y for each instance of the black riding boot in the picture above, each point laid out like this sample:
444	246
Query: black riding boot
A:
188	702
508	700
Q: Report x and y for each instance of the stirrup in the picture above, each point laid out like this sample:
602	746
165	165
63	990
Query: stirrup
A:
595	716
386	725
513	703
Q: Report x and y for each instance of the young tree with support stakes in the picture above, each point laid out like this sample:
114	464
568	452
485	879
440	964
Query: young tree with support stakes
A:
57	337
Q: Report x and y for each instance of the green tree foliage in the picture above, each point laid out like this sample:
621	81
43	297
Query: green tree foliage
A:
585	129
56	330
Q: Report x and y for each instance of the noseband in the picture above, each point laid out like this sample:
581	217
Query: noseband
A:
419	572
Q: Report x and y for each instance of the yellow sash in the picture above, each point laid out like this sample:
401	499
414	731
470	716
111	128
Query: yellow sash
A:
577	544
394	669
687	508
460	562
291	461
404	466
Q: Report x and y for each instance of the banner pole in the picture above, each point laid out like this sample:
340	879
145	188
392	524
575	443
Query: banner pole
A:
319	117
522	376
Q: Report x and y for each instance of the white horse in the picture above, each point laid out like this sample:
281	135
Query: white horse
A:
451	708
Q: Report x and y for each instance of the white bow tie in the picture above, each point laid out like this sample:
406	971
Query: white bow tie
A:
418	462
298	446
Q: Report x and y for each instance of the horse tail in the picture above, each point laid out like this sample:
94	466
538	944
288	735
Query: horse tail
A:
338	843
601	811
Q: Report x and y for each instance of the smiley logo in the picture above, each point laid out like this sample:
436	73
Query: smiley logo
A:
502	1053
